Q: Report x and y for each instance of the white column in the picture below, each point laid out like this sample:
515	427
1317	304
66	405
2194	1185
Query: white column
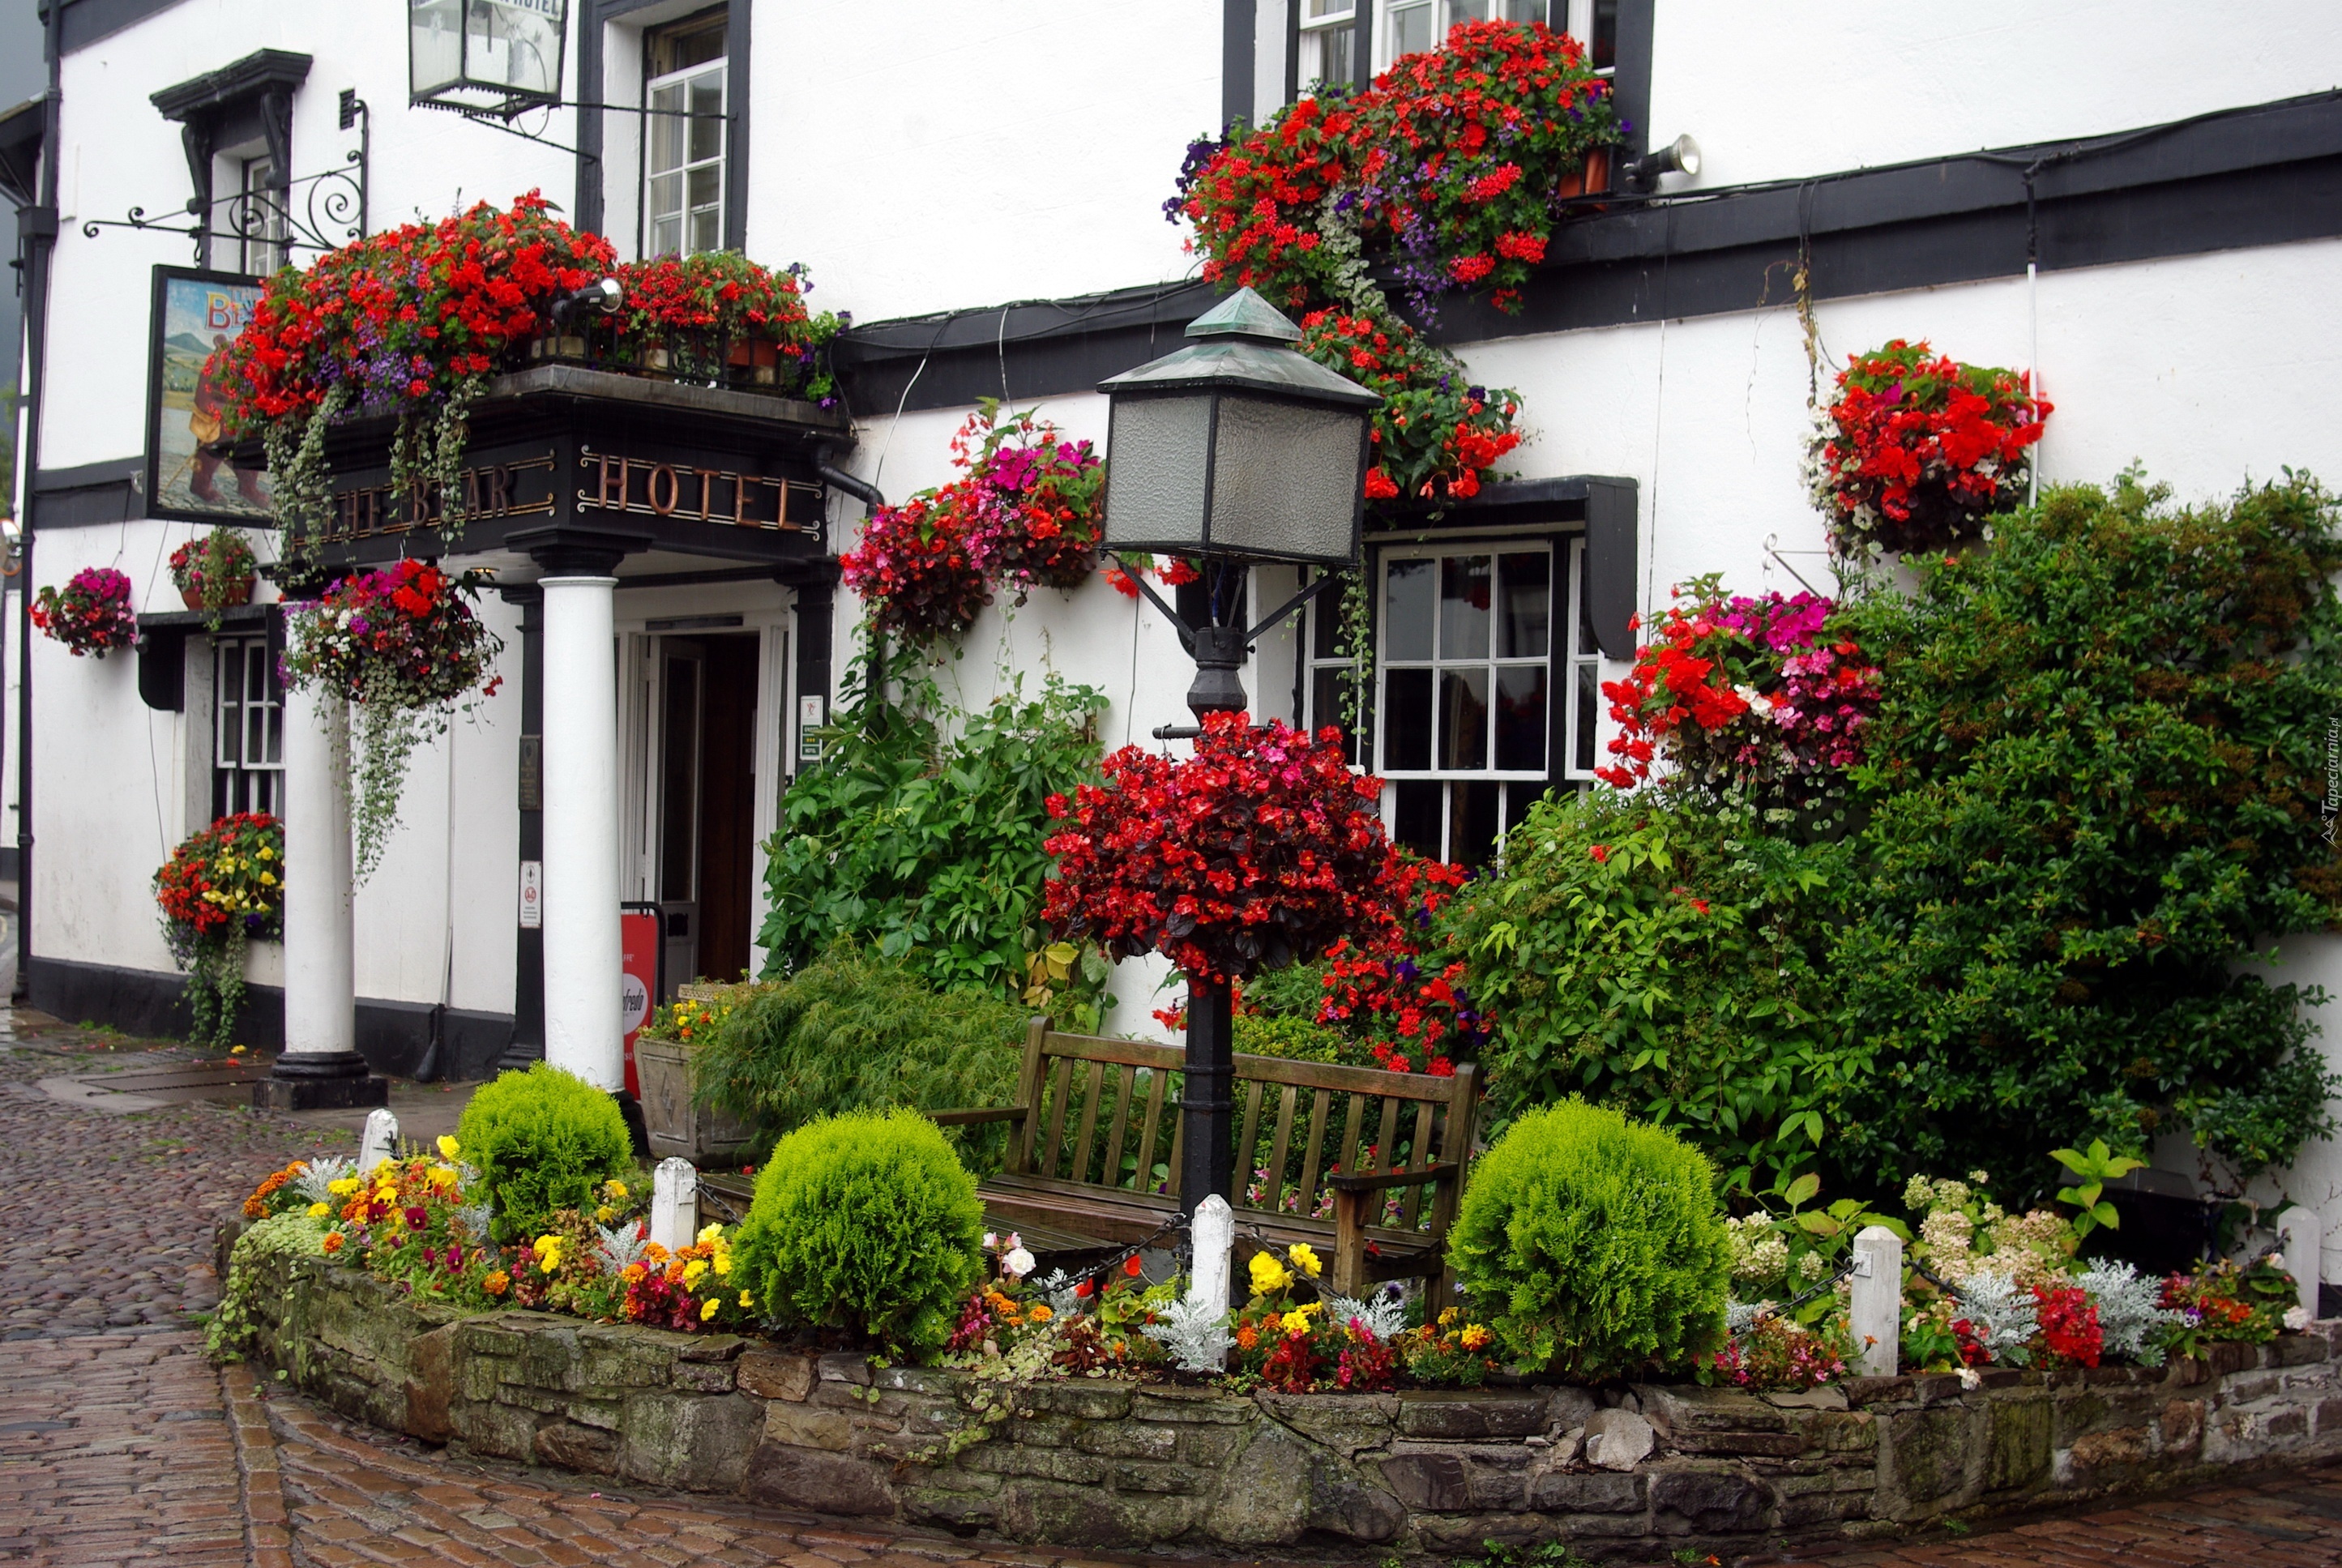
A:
1875	1313
675	1204
1213	1234
2301	1237
380	1141
582	1000
320	973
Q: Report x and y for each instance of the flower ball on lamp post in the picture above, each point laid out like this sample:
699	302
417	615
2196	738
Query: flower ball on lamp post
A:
1235	448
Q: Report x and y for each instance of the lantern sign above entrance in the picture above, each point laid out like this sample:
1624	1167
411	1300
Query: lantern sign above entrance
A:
498	57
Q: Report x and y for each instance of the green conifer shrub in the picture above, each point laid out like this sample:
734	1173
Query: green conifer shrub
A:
868	1222
1592	1245
543	1140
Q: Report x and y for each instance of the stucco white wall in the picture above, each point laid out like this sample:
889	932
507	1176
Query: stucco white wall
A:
1775	93
922	155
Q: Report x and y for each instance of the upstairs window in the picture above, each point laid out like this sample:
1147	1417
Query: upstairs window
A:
1411	26
1328	41
685	136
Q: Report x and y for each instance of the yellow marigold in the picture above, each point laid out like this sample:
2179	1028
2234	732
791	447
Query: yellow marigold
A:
1473	1336
1296	1322
1268	1275
605	1214
743	1299
708	1310
693	1271
343	1187
724	1262
448	1147
617	1189
319	1210
1305	1259
710	1235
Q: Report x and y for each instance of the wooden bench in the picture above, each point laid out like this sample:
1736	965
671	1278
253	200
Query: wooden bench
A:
1094	1136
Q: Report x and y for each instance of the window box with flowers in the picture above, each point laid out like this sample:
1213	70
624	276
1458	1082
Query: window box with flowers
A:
220	890
214	572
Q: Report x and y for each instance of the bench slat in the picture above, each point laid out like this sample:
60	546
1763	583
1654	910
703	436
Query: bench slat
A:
1287	1099
1419	1156
1061	1076
1123	1074
1093	1091
1351	1127
1156	1078
1305	1203
1248	1144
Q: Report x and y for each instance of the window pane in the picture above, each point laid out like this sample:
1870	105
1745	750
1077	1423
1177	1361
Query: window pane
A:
1472	821
707	186
1326	622
1586	644
1407	720
1521	718
666	195
1532	10
666	236
707	122
1528	601
1416	814
1467	11
1325	695
1603	47
273	736
1325	55
1588	693
667	131
1464	590
707	229
1463	718
1410	29
1406	611
1329	7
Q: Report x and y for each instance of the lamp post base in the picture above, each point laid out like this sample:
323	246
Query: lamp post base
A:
1208	1153
320	1080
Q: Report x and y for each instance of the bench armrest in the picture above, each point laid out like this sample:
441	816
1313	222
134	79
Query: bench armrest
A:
1413	1176
973	1118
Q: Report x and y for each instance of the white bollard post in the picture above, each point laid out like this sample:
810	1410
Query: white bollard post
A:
1877	1313
2301	1237
380	1142
675	1204
1214	1234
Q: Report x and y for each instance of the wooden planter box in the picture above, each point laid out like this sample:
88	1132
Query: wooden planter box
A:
677	1124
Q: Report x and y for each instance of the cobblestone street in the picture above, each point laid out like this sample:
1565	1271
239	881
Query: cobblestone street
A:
120	1444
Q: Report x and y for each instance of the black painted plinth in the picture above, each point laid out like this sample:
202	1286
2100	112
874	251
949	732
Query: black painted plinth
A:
319	1094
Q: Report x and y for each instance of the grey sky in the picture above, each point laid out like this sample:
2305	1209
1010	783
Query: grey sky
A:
22	74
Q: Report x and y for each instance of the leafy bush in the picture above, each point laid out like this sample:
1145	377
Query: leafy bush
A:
864	1222
1662	954
1294	1038
543	1140
856	1031
1595	1245
915	840
2093	783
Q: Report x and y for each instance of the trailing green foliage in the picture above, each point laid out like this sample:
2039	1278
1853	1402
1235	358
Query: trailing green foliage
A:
1659	953
291	1234
867	1223
2093	782
915	839
1594	1245
854	1031
543	1140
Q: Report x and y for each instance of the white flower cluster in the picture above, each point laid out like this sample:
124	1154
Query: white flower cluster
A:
1756	1252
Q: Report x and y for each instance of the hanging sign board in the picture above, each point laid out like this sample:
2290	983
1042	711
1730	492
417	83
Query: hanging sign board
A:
639	947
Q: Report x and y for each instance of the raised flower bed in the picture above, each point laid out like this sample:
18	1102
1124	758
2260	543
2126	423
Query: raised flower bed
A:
1110	1464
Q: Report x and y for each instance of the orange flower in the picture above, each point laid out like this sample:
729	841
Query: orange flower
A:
497	1283
333	1243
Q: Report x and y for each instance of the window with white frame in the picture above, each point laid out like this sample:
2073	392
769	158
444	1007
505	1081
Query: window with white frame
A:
1486	687
684	136
1328	35
1411	26
248	728
260	221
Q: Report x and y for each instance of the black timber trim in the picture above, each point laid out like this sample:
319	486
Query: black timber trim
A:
87	21
1630	73
1237	50
233	84
391	1035
736	45
2268	173
89	495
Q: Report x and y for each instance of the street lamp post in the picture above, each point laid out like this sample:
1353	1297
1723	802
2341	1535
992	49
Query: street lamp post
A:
1235	448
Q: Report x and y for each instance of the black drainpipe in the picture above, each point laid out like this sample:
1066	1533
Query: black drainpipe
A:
37	227
862	490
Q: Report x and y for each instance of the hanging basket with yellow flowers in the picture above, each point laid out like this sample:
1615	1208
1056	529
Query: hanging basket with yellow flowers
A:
220	889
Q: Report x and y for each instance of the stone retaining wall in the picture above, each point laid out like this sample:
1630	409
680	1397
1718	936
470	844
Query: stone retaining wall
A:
1102	1464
